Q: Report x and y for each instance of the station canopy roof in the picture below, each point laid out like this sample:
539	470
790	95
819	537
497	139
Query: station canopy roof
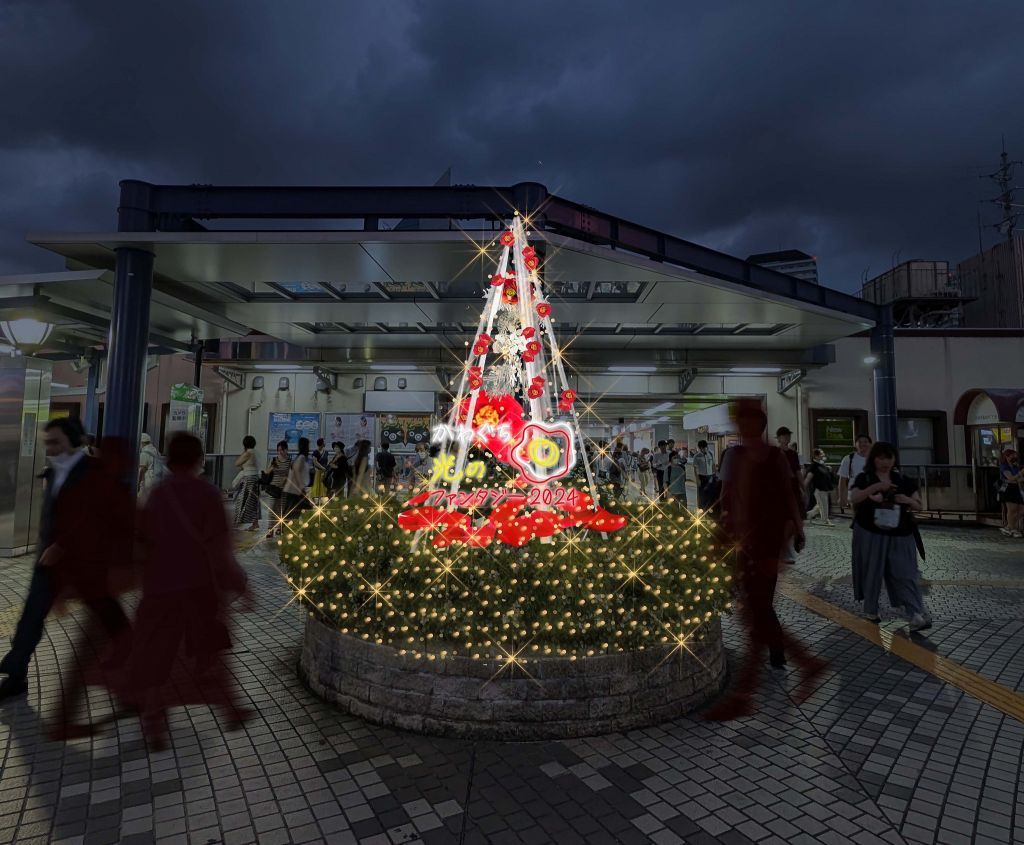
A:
414	290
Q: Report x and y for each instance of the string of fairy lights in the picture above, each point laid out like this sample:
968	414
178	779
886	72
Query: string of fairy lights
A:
546	583
659	580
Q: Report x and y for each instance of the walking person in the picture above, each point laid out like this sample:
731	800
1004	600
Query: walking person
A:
247	486
1011	484
275	478
760	516
318	461
295	499
819	480
337	475
79	526
362	475
386	467
704	465
151	466
675	479
644	470
884	543
616	471
851	466
189	579
659	463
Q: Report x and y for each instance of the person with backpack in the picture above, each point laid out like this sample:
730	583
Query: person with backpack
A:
852	466
151	466
820	482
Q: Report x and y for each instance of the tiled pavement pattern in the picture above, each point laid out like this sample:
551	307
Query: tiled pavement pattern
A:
881	752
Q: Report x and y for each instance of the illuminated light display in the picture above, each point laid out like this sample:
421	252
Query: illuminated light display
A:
509	547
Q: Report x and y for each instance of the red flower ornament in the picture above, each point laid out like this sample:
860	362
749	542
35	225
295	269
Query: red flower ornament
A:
543	309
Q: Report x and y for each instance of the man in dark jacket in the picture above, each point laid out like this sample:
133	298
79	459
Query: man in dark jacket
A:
78	532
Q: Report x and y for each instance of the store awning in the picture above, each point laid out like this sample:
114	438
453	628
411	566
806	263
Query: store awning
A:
983	406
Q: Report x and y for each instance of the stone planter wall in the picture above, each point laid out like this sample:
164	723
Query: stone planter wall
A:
564	698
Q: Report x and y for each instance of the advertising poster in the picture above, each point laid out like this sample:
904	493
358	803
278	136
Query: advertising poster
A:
185	412
291	427
404	432
349	429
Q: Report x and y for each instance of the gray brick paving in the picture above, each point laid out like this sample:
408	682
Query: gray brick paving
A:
881	752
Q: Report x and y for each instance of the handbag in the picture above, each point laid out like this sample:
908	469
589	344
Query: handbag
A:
887	518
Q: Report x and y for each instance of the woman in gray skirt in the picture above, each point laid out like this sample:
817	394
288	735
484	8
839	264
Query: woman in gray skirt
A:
884	547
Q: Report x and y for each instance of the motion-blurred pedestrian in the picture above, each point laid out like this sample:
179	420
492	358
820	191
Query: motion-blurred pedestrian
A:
761	514
190	576
79	528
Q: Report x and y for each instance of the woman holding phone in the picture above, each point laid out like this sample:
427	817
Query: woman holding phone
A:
884	546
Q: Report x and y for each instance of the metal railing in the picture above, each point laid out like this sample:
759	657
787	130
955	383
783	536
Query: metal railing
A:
957	490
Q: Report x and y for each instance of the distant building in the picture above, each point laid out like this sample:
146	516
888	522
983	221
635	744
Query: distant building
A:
923	294
792	262
995	281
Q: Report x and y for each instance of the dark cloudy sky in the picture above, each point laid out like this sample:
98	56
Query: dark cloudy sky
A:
850	130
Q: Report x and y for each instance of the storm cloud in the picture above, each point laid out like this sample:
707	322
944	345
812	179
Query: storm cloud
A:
854	131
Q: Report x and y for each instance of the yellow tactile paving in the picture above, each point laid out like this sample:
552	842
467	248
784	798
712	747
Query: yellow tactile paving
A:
989	692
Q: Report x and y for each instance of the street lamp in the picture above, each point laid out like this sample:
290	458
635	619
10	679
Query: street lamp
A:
26	334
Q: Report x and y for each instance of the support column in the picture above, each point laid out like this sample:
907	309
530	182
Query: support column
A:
197	353
129	342
92	383
883	349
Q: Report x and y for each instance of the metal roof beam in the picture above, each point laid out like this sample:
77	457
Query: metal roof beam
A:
145	207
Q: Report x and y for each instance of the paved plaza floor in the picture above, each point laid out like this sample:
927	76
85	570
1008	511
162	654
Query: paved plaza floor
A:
903	741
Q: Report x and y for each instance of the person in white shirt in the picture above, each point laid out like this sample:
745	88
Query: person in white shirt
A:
852	466
659	461
151	466
704	464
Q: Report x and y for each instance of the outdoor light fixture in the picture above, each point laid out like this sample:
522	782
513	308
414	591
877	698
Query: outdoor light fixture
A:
636	369
380	383
26	334
357	383
755	369
257	383
284	384
402	384
871	360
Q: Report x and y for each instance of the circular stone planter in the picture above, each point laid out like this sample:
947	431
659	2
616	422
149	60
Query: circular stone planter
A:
458	696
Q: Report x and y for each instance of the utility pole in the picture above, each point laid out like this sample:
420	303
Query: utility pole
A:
1003	177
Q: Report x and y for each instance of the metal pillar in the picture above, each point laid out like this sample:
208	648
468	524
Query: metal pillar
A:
197	353
884	352
92	384
129	341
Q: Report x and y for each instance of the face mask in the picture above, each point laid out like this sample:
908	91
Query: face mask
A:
62	461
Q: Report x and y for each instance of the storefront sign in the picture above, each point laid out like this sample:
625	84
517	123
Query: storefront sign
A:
982	411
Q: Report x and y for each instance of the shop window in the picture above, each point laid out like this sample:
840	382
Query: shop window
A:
835	431
922	438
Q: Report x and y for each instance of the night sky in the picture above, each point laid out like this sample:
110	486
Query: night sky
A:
854	131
